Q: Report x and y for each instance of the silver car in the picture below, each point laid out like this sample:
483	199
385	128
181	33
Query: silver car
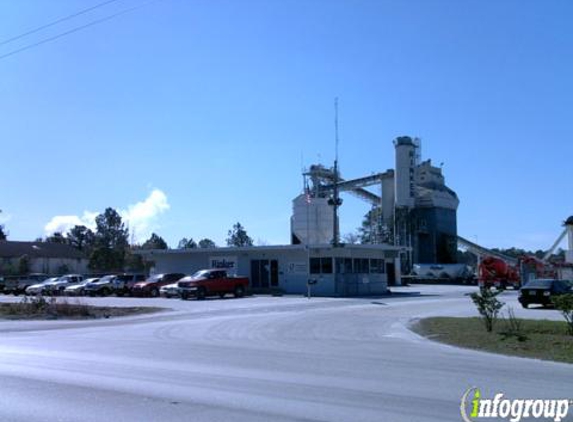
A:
58	286
170	290
78	289
41	288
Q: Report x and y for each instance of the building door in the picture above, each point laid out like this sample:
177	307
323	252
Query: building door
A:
264	273
264	268
274	273
391	273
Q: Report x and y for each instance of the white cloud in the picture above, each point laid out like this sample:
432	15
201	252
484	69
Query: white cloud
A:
63	223
141	218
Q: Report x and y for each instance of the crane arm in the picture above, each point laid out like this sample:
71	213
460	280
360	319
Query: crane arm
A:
552	249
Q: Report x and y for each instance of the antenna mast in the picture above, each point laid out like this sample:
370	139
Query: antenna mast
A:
336	200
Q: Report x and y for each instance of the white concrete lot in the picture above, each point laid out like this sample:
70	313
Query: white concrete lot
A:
260	359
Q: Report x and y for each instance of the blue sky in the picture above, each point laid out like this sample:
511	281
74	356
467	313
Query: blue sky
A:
206	109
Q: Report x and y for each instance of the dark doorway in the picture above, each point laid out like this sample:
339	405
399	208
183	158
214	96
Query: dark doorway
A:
391	273
264	273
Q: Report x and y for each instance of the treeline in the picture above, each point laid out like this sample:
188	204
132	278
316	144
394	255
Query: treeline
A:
108	247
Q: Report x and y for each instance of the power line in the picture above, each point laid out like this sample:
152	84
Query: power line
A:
57	21
76	29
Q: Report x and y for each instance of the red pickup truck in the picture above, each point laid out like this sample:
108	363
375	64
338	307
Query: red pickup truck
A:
211	283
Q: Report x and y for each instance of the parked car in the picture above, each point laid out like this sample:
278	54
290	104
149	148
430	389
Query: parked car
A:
78	288
57	287
169	291
40	288
105	286
541	291
151	286
19	285
125	283
212	282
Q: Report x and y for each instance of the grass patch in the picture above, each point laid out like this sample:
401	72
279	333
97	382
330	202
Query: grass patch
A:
539	339
62	308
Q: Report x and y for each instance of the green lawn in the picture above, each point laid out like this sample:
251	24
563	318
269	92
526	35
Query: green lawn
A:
540	339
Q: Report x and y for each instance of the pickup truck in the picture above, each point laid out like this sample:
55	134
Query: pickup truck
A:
212	282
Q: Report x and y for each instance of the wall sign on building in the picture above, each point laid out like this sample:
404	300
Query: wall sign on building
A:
297	268
228	263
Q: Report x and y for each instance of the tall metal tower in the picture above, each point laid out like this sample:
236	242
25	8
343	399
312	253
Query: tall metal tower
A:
336	202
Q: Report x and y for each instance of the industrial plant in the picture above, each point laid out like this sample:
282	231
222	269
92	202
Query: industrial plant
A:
412	236
415	210
413	220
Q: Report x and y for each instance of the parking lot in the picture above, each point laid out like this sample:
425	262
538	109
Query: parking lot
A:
260	358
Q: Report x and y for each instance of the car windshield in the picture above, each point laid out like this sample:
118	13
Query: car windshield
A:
90	280
200	274
154	278
50	280
106	279
539	284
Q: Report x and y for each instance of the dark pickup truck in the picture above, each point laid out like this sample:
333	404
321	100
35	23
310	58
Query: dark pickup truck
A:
214	282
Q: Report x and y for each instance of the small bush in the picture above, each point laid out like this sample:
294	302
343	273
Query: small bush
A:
565	305
488	306
513	327
38	306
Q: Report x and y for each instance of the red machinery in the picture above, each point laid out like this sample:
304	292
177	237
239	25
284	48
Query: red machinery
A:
495	272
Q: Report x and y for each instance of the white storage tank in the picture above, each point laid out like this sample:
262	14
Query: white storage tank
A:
312	220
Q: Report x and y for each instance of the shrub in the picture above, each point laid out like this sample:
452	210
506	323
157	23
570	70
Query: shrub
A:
38	305
513	326
565	305
488	306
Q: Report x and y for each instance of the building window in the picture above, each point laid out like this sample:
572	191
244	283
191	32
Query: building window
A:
377	266
326	265
315	265
321	266
344	265
361	266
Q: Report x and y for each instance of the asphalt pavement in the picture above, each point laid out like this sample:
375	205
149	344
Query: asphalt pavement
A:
261	359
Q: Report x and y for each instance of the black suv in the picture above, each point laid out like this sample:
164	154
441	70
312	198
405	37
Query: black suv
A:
542	290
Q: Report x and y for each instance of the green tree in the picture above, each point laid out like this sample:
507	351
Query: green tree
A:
351	238
110	243
81	238
186	243
57	237
3	234
24	265
238	237
372	230
155	242
207	243
488	306
134	262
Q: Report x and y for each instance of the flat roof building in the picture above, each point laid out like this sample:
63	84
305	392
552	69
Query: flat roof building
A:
348	270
